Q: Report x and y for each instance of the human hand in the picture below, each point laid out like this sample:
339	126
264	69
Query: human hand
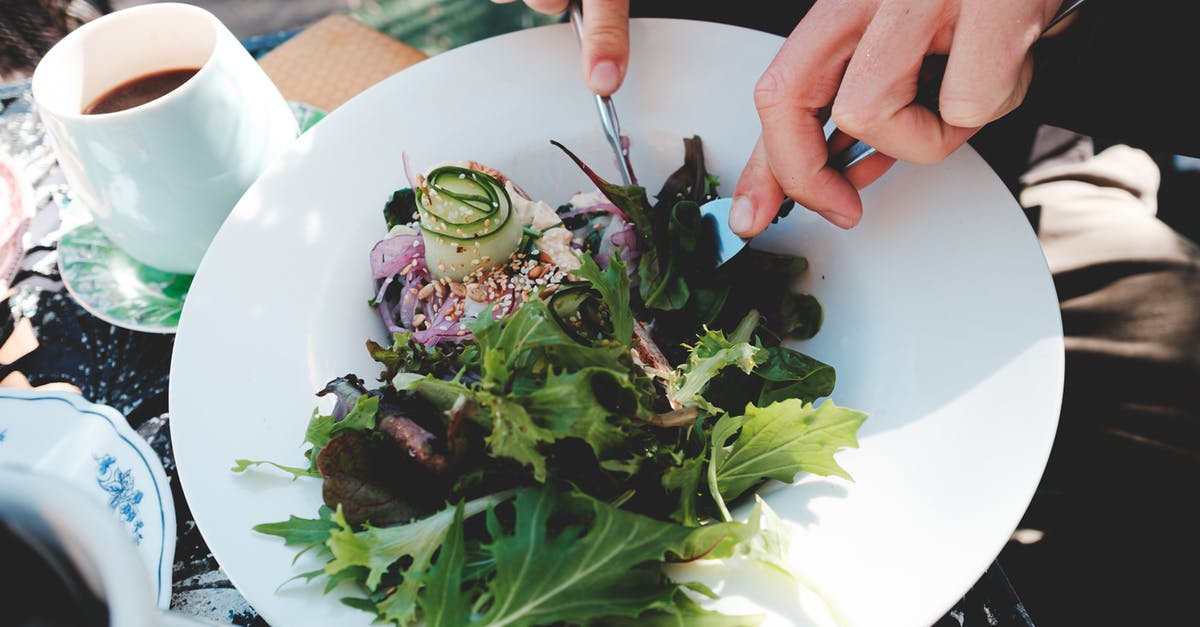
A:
858	62
605	44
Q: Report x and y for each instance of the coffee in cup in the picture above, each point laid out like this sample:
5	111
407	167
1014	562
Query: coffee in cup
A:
161	119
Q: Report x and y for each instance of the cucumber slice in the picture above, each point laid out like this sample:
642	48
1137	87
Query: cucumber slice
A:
468	222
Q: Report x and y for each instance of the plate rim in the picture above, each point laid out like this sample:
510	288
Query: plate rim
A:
286	161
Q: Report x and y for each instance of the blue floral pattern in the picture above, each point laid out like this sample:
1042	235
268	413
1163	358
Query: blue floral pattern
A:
123	496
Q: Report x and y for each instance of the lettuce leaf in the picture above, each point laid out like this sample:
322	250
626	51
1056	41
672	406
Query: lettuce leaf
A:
778	442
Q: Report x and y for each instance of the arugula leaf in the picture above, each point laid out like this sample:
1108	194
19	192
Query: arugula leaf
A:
441	601
297	531
778	442
242	465
608	567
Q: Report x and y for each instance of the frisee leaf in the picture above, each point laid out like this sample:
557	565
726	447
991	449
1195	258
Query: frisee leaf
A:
711	354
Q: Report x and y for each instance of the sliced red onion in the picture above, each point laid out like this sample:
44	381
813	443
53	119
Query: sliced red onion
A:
391	255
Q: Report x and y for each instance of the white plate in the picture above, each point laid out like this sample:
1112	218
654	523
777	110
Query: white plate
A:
92	446
941	318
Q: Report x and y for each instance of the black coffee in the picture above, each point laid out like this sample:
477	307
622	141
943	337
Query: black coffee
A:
43	588
140	90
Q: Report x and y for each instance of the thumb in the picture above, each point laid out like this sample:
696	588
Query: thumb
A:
605	44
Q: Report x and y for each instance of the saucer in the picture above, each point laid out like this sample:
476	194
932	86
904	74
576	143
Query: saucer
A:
119	289
93	447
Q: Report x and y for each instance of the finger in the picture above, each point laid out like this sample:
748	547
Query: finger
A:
989	68
605	44
549	7
756	197
790	96
875	102
866	171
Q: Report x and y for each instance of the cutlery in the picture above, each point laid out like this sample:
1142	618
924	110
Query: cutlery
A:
604	105
716	212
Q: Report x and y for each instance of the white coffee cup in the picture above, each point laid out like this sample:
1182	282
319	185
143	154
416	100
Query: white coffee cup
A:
98	567
161	177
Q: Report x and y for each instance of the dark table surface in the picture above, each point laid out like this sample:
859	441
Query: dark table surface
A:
129	371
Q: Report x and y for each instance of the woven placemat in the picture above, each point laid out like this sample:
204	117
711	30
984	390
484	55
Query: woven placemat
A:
333	60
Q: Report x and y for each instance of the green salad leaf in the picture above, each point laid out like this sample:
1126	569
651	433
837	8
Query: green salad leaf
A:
594	424
378	549
604	563
778	442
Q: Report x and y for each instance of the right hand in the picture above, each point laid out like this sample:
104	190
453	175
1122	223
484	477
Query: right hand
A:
605	40
859	62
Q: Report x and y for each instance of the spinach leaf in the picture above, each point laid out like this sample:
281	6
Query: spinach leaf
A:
790	374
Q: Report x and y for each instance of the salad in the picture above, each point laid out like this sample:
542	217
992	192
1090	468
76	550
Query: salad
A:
570	398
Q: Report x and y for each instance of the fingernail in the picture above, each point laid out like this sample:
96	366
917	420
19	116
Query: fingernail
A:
604	77
741	215
838	219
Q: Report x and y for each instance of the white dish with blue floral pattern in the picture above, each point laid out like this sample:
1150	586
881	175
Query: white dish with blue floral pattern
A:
92	445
